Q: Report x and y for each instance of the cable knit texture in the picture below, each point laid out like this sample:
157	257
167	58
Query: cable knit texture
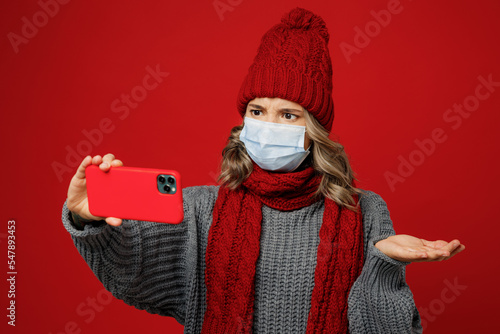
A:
160	268
293	63
233	250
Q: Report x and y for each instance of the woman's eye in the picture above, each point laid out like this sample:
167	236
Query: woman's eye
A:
255	112
290	116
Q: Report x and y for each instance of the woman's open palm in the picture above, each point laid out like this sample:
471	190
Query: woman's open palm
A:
406	248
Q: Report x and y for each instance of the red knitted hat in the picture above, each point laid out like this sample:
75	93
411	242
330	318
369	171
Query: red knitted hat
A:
293	63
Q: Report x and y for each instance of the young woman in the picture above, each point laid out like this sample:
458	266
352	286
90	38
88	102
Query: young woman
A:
286	243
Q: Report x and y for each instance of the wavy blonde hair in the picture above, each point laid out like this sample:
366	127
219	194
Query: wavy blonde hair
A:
327	157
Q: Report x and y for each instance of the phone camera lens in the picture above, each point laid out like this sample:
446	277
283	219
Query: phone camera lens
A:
166	188
171	180
161	178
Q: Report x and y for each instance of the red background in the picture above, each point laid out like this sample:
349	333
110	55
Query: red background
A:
393	92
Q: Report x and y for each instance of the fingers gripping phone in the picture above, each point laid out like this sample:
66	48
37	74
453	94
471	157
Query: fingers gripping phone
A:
135	193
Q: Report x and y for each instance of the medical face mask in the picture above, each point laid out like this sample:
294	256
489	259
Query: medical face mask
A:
273	146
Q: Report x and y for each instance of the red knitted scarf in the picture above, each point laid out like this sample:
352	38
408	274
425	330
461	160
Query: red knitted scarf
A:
233	250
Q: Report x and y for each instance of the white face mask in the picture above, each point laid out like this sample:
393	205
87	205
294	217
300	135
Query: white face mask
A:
273	146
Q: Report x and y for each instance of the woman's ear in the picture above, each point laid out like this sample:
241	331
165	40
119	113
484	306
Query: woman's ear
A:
307	141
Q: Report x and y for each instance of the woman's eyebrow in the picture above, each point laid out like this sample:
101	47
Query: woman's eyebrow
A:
282	109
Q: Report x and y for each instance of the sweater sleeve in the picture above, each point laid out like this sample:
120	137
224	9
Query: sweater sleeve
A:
380	300
146	264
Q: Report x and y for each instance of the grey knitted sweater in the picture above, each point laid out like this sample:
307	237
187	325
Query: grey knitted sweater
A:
160	267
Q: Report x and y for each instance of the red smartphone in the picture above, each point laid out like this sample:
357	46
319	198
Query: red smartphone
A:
135	193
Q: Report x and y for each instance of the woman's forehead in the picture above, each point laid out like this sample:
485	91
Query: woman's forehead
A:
275	102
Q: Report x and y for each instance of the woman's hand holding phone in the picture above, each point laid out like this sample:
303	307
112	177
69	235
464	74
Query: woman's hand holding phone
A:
78	202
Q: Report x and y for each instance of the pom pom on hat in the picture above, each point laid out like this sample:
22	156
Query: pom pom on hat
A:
293	63
300	18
